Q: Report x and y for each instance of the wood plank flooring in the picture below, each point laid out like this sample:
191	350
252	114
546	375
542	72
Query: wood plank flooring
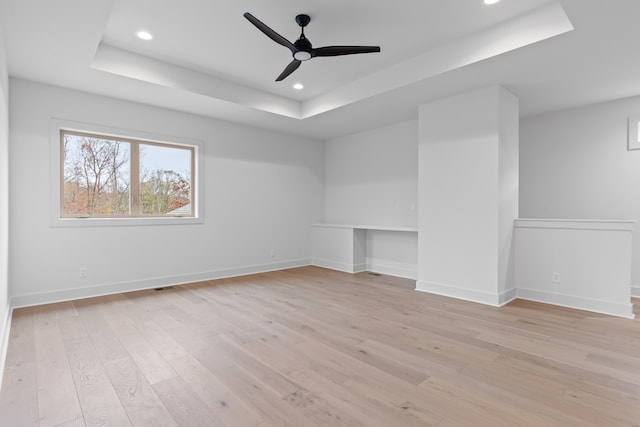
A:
313	347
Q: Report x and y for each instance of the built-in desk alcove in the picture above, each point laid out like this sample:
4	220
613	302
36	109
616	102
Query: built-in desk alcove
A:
355	248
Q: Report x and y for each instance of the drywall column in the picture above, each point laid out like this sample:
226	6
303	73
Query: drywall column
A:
468	195
5	310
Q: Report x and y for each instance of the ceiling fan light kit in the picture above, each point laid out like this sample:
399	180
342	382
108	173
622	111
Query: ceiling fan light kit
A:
302	49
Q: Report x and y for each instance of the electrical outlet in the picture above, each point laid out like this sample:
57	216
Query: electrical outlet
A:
273	253
83	272
555	277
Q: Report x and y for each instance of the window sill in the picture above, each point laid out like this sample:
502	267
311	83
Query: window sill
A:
123	222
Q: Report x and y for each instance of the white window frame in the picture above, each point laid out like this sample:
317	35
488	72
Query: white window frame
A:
634	133
56	165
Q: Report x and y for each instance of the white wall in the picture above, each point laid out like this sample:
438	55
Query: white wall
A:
371	178
468	182
339	248
4	205
391	252
584	264
508	187
575	164
263	190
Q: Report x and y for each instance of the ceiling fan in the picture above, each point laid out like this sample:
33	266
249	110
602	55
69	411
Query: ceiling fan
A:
301	49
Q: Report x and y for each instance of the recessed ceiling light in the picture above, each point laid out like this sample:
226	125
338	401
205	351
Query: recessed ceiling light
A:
298	86
144	35
491	1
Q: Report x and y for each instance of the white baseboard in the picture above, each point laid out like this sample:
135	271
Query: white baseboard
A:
495	300
507	296
597	306
339	266
359	268
604	307
5	333
635	291
400	270
406	271
156	282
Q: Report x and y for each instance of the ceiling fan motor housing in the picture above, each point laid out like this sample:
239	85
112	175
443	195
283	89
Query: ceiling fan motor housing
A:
303	49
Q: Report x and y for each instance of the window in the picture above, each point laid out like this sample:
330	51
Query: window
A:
634	133
104	176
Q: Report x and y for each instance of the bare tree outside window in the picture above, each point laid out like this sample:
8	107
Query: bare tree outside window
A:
99	172
96	176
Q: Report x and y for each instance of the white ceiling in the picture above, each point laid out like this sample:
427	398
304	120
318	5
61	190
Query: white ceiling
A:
207	59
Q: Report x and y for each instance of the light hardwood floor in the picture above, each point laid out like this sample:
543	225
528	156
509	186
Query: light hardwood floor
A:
312	347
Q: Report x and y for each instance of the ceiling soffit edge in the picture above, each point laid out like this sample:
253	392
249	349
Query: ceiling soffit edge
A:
545	22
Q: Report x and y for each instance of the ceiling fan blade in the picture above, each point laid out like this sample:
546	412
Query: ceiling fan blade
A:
269	32
343	50
293	65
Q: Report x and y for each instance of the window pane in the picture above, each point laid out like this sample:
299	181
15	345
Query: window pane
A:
165	180
119	177
96	176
